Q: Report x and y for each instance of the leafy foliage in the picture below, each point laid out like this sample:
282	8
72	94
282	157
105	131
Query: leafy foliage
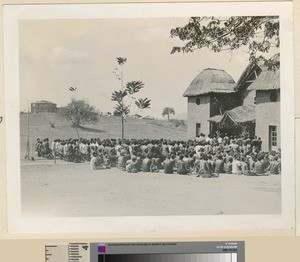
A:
143	103
118	96
167	111
121	60
259	33
124	97
119	110
80	112
134	87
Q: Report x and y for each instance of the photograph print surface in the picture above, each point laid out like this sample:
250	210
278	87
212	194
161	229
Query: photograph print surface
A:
151	116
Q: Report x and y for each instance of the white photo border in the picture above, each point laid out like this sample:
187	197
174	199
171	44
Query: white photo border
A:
283	223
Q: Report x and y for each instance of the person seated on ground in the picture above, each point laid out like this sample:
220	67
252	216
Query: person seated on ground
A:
211	163
190	161
83	148
113	158
258	168
251	160
95	163
265	160
106	161
139	161
245	167
279	160
185	157
132	166
59	150
204	167
127	164
122	161
157	160
236	165
146	164
77	155
69	152
46	150
228	167
154	166
182	168
219	165
38	147
273	168
165	149
168	165
197	162
173	159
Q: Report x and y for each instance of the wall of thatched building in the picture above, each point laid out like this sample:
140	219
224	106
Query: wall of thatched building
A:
198	113
267	114
213	92
268	118
209	94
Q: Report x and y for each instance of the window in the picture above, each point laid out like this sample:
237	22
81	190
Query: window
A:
273	97
198	129
198	101
273	137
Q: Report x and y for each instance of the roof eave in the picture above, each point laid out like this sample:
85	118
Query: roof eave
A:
210	92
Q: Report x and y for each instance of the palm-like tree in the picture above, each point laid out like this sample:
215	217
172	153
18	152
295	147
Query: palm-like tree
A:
167	111
143	103
125	96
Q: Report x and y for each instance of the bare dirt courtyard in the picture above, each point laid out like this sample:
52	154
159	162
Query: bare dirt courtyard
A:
74	190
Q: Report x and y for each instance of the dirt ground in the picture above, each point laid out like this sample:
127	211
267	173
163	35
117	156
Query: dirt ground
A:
70	189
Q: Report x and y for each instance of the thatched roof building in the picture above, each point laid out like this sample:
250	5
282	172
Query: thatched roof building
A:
267	80
210	81
249	73
260	77
240	114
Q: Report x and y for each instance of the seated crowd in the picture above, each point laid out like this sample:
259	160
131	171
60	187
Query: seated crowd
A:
206	156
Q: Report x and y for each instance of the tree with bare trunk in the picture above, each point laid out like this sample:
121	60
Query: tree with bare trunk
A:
167	111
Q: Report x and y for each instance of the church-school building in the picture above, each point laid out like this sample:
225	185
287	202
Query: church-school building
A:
216	102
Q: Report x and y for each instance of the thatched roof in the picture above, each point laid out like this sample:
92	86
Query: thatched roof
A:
216	119
210	80
240	114
246	73
267	80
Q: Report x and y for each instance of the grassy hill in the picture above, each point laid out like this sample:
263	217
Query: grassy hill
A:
107	127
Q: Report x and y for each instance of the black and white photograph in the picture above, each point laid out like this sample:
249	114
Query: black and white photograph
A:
135	114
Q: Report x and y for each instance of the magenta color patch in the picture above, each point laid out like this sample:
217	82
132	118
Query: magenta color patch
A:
101	248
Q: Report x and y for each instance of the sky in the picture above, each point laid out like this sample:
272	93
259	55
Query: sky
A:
57	54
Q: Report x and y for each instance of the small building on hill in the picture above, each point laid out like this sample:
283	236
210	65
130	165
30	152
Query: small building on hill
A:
43	106
209	95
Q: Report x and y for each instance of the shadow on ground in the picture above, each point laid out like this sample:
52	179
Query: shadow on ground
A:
90	129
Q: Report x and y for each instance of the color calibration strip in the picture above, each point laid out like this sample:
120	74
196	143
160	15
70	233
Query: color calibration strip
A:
215	257
73	252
